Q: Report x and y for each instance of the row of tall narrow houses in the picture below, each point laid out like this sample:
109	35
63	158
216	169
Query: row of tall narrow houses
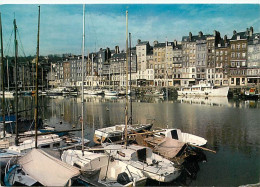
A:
221	61
202	57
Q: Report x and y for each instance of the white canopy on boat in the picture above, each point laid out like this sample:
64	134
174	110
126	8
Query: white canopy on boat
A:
47	170
168	147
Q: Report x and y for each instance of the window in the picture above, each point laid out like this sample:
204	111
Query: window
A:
238	55
244	55
233	46
238	46
243	45
233	55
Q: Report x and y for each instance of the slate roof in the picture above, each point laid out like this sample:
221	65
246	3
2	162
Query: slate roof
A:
222	42
255	36
195	38
178	46
119	55
143	43
163	44
150	52
243	35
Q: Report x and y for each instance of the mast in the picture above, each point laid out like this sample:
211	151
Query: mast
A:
166	67
42	78
16	84
126	65
36	97
131	106
23	80
92	72
7	74
82	86
109	79
3	76
51	75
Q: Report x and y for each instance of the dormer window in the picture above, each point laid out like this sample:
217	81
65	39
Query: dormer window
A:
238	37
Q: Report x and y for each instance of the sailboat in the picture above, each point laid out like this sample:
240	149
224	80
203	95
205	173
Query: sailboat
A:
177	134
116	132
43	170
92	91
52	141
152	165
110	92
121	89
100	166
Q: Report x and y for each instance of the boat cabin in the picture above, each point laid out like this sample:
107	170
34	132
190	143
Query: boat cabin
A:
48	141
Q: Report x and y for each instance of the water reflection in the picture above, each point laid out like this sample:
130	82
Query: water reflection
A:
230	126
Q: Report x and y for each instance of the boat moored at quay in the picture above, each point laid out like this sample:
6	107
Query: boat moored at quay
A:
203	89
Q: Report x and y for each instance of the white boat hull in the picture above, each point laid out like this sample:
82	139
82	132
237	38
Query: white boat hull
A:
214	92
8	94
152	165
115	133
111	93
183	137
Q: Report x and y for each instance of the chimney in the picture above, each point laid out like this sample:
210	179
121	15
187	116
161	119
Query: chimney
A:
117	49
234	32
138	41
200	34
190	35
251	31
155	42
175	43
225	38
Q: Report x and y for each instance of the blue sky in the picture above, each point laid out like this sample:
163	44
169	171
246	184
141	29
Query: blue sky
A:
61	25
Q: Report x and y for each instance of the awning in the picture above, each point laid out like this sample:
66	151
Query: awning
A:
47	170
168	147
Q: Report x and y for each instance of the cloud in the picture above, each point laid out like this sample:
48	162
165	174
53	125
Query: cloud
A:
61	25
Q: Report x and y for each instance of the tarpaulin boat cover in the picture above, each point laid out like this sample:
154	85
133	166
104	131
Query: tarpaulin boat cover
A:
167	147
47	170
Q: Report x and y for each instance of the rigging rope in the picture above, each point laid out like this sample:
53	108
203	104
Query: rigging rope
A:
8	44
22	49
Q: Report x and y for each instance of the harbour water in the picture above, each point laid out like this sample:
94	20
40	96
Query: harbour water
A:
230	126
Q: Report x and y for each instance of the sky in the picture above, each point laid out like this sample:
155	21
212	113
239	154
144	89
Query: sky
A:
61	25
